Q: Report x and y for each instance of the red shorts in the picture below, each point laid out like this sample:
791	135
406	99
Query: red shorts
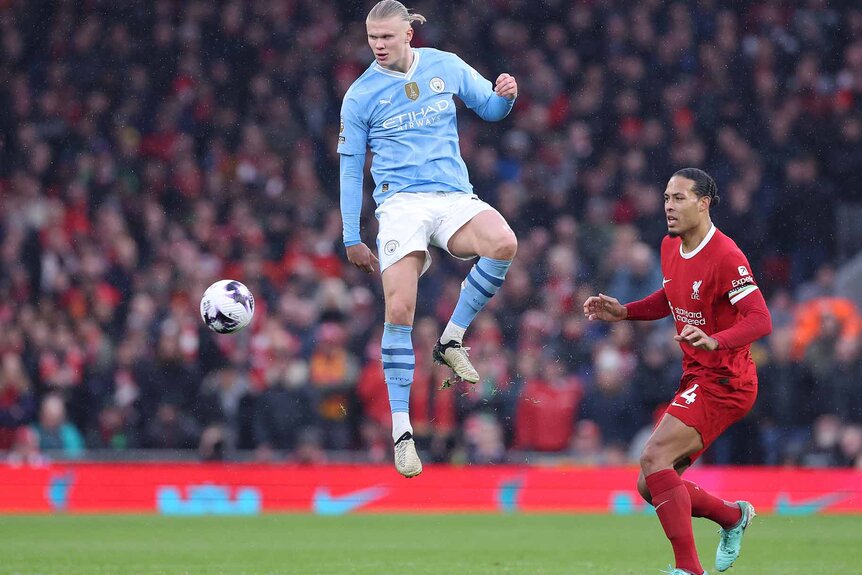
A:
711	407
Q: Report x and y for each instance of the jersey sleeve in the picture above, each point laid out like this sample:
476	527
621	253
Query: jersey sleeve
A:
755	322
351	167
353	130
734	278
478	93
652	307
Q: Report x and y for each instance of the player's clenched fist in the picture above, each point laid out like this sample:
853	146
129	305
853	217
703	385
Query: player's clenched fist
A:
506	87
696	337
605	308
360	256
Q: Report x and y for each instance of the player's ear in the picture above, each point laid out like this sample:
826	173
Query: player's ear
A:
409	33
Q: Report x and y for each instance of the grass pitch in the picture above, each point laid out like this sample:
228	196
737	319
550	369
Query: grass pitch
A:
408	545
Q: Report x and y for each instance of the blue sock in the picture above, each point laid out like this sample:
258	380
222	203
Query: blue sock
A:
398	364
483	281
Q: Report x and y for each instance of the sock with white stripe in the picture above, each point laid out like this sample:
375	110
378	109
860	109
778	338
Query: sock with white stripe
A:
398	364
483	281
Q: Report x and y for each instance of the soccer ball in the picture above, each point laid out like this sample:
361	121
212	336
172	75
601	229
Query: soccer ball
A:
227	306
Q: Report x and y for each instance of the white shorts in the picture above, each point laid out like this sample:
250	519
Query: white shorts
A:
410	222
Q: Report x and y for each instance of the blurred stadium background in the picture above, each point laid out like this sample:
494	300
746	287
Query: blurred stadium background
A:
150	148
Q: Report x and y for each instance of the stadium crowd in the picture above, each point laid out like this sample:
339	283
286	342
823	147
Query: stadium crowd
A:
150	148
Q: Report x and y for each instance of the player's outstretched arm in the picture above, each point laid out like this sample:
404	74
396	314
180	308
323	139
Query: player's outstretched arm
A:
605	308
652	307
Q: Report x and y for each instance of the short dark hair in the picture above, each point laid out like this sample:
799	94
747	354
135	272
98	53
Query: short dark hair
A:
704	185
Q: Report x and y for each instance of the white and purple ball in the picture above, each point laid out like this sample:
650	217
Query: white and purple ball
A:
227	306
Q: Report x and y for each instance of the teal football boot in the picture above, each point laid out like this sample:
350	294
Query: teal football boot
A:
731	539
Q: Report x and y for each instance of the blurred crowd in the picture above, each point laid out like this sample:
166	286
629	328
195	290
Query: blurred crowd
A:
148	149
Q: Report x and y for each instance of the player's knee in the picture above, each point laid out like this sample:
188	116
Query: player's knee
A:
400	312
506	246
644	490
653	458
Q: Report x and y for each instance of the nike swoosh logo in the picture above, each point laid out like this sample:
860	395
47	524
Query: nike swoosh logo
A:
660	504
664	281
810	506
324	503
508	493
679	405
58	490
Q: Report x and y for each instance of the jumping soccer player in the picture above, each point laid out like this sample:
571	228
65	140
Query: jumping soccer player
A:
719	311
402	107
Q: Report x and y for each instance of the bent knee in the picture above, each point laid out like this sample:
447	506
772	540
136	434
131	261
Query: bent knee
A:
654	458
644	490
505	247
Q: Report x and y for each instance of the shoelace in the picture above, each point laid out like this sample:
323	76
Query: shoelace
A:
401	452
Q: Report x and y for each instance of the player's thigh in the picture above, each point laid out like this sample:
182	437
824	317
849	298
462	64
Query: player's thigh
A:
671	442
400	285
471	227
406	222
711	407
485	234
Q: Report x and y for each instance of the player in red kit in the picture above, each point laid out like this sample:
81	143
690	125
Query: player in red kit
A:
709	290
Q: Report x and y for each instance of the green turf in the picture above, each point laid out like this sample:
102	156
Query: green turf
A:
408	545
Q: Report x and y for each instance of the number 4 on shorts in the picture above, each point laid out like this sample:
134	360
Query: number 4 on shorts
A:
689	395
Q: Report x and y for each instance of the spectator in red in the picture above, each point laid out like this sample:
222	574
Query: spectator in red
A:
17	401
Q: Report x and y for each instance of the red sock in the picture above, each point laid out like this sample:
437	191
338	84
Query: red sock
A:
673	507
703	504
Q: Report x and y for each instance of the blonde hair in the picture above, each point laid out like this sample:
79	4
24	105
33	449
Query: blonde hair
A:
393	8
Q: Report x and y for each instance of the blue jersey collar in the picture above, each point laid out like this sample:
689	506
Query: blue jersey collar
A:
409	74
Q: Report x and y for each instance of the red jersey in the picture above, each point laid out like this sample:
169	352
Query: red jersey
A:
702	288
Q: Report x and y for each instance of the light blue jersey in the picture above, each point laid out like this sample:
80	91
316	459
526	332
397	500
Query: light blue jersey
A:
409	121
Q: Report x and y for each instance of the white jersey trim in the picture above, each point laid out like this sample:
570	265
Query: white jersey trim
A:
409	74
700	246
747	290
